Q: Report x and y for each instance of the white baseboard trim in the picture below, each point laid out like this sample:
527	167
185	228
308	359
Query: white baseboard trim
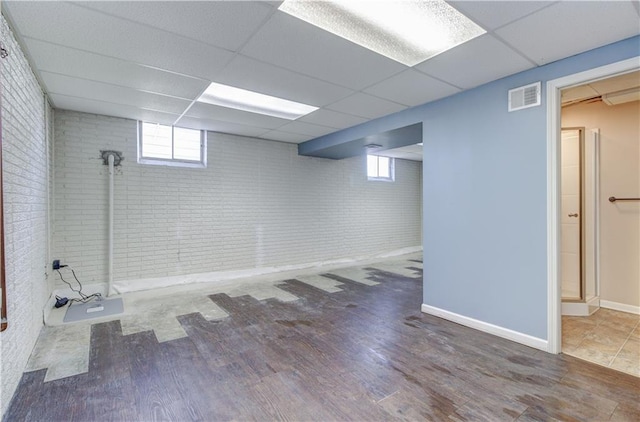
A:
581	308
527	340
623	307
222	278
231	276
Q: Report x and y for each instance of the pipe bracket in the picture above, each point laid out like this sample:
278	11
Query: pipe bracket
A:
117	157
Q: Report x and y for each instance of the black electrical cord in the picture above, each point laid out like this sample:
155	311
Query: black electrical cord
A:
83	297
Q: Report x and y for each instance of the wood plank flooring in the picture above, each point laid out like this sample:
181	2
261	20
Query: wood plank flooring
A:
364	353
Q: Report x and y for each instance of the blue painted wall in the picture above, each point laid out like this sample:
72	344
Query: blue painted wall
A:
485	193
485	198
485	208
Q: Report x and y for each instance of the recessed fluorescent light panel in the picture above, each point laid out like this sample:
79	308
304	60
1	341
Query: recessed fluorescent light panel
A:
242	99
409	31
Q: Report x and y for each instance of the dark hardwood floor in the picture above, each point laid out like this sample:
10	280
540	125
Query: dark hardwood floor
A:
363	354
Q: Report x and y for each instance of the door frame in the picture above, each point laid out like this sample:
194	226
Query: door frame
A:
554	107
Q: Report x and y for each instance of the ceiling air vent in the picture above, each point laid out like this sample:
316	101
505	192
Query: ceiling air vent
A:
524	97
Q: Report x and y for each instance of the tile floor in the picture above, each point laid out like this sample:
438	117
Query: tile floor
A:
608	338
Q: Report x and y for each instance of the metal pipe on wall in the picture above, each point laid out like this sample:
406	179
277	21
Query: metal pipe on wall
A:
3	287
111	171
112	159
3	273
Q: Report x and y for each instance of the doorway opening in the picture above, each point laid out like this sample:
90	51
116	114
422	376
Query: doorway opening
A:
553	93
594	154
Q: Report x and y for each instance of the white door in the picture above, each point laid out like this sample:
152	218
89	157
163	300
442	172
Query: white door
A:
570	226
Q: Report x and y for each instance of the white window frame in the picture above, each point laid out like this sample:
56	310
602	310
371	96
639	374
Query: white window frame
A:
392	170
174	162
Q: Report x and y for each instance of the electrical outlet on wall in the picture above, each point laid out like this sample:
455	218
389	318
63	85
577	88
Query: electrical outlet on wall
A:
56	264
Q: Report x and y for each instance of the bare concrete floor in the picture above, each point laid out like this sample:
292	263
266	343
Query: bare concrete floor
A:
63	349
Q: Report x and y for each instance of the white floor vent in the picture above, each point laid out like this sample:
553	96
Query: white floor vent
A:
524	97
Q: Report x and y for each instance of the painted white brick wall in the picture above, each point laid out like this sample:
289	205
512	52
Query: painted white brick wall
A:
25	158
257	204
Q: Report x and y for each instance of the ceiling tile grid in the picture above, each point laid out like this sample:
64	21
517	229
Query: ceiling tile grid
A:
84	29
225	24
365	105
75	87
210	111
571	27
325	117
85	105
492	15
62	60
304	128
152	60
622	83
295	138
244	72
221	126
412	88
294	44
489	58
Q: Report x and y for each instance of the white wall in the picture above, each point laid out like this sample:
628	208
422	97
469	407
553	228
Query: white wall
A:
25	158
257	204
619	176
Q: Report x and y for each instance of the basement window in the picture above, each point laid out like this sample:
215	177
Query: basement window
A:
171	146
380	168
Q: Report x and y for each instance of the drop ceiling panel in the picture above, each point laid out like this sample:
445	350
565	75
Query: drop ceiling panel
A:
324	117
293	138
494	14
220	126
82	88
475	62
84	29
618	83
127	59
209	111
610	85
247	73
109	109
291	43
568	28
412	88
227	24
304	128
81	64
365	105
578	93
